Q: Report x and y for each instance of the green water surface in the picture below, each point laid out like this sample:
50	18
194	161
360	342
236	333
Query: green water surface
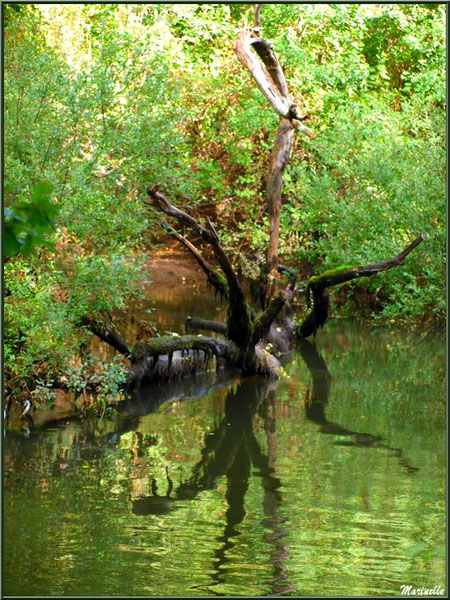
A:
329	482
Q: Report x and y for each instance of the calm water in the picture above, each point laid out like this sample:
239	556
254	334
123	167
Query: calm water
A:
329	482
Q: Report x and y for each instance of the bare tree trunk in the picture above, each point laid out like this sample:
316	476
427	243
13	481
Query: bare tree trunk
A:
278	161
270	79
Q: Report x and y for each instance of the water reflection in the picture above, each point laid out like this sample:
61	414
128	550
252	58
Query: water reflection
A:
239	491
151	396
317	400
231	450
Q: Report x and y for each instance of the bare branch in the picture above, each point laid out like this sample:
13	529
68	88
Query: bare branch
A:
106	334
257	20
260	74
263	48
239	320
216	279
204	325
269	77
318	285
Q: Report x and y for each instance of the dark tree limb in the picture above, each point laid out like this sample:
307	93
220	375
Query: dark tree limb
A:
204	325
343	274
214	278
240	318
106	334
318	284
209	235
172	357
262	324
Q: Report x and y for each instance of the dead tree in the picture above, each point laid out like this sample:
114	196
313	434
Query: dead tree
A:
250	341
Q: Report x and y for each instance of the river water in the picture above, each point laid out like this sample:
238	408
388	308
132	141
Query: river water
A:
329	482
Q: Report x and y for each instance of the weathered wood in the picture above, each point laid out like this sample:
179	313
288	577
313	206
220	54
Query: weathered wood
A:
264	50
283	106
278	161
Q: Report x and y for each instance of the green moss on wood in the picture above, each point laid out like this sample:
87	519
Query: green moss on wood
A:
330	274
219	282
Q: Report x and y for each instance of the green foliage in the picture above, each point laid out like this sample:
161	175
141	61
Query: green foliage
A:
103	381
26	224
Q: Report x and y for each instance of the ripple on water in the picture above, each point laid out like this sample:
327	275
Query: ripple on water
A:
298	515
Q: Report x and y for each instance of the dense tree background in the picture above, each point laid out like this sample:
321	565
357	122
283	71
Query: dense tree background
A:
103	101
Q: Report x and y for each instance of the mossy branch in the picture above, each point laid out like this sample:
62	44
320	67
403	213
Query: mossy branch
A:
318	284
168	344
347	273
262	324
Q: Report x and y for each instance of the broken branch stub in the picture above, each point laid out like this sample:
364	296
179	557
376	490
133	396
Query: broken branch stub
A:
269	77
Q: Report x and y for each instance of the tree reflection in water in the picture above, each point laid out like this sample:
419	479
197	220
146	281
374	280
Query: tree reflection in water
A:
318	399
231	450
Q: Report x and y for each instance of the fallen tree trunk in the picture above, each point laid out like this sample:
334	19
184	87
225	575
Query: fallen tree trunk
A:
171	357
